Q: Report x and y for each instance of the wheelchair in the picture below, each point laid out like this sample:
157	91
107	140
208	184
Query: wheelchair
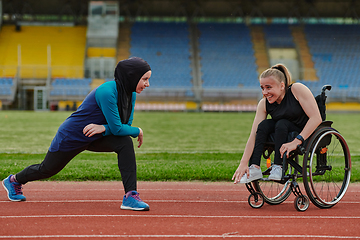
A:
325	169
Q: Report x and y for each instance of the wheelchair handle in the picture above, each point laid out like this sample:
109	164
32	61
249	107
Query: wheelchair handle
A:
325	87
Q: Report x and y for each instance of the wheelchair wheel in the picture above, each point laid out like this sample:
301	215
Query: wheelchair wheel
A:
327	168
273	192
301	203
256	200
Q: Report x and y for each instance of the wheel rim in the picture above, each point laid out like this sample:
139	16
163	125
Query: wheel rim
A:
302	203
256	200
274	192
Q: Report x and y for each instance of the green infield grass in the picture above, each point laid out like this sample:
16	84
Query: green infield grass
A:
177	146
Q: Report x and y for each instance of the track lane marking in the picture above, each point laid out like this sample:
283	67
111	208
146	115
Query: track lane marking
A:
179	216
153	201
149	190
186	236
142	190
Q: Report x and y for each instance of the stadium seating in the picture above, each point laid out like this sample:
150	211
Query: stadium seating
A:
227	56
6	86
67	50
70	88
278	36
336	53
165	46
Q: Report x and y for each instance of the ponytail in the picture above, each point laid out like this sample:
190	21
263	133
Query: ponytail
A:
280	73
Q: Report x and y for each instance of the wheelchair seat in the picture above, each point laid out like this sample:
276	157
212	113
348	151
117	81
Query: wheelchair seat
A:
292	135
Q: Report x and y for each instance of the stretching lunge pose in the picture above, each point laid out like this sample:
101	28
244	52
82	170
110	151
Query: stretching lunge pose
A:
102	123
292	107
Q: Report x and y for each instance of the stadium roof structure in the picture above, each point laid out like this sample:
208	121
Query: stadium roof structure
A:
15	10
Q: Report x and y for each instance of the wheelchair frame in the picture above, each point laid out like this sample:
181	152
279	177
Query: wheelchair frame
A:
323	152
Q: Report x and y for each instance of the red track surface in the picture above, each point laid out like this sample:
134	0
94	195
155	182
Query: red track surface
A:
178	210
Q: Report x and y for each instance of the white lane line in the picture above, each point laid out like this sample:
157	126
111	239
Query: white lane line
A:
119	201
147	190
154	201
140	190
180	216
231	235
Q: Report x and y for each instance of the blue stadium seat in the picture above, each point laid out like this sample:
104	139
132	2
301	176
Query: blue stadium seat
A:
227	56
165	46
278	36
6	85
70	87
335	51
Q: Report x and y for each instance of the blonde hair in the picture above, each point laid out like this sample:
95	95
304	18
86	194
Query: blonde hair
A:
278	72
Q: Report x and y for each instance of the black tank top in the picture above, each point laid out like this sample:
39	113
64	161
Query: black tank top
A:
289	109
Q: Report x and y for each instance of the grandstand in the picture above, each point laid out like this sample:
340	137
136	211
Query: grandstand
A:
336	54
227	56
205	56
167	48
278	36
32	50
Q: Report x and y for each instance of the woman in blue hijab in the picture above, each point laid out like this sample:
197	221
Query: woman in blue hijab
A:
102	123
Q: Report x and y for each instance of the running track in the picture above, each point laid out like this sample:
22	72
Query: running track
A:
178	210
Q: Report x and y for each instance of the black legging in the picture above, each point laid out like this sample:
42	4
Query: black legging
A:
54	162
281	129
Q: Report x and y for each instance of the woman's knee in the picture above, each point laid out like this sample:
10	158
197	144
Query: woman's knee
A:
54	162
123	143
282	125
266	126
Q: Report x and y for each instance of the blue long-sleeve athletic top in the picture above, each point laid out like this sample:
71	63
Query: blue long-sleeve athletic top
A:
99	107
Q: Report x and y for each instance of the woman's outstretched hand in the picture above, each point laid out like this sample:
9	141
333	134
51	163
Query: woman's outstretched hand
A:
140	137
240	171
92	129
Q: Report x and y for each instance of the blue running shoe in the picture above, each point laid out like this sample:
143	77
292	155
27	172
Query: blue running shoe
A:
13	189
133	202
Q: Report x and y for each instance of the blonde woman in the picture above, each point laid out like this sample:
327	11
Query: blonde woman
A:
292	107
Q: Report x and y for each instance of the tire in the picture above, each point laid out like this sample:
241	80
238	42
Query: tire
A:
256	200
328	160
301	203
